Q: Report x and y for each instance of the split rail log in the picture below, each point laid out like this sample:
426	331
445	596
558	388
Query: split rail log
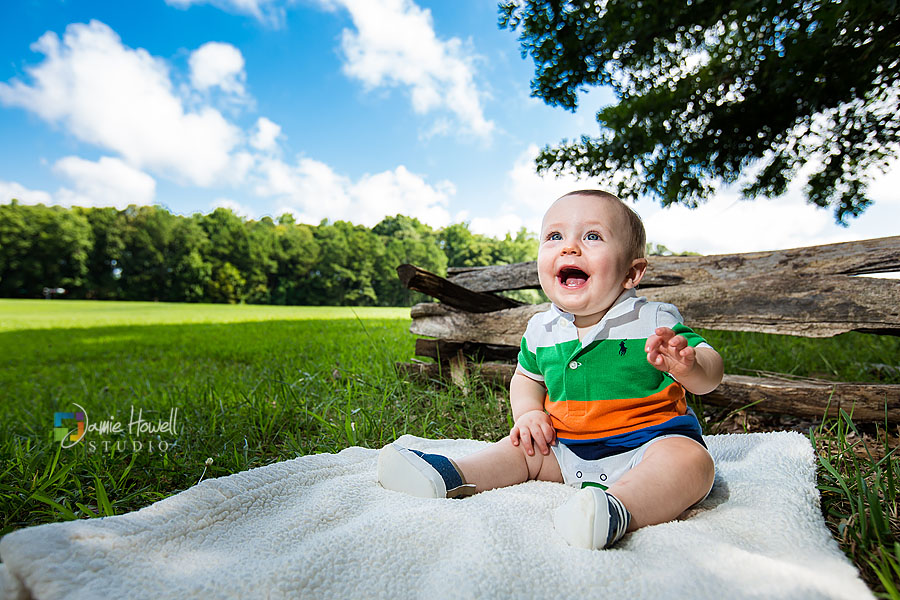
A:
808	306
867	257
451	293
809	292
793	396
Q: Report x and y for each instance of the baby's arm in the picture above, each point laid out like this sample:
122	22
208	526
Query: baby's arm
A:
699	370
532	425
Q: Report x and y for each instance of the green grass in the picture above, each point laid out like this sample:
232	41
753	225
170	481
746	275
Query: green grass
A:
253	385
259	384
59	314
859	486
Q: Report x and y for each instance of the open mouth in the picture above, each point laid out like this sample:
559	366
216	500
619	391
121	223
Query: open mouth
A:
572	277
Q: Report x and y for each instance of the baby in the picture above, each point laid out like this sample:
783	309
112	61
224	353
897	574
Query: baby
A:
598	395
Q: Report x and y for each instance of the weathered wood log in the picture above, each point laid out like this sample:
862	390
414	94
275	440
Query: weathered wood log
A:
803	305
502	327
443	350
495	373
808	306
881	255
809	398
496	278
450	293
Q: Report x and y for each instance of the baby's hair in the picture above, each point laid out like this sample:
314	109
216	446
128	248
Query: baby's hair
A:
637	236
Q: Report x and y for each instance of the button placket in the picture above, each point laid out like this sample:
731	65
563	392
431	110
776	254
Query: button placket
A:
574	408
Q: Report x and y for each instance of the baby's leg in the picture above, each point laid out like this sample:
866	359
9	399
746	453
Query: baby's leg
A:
674	474
501	464
435	476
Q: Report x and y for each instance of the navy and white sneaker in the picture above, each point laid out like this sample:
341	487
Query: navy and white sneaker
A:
419	474
592	519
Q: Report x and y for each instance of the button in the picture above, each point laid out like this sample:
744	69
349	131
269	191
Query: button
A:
574	365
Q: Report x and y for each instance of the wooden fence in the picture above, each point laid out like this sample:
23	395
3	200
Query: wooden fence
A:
810	292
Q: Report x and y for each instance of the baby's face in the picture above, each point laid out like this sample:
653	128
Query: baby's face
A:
583	263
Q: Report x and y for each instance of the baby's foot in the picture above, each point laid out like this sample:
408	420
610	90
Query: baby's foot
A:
592	519
419	474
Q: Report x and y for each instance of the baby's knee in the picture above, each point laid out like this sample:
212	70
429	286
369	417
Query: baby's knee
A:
696	459
691	458
535	464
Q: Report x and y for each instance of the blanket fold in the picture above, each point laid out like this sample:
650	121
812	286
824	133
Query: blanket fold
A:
321	527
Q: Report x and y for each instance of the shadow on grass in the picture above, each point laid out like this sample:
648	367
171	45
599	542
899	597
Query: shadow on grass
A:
247	394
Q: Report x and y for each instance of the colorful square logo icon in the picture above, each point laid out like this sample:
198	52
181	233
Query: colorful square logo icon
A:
60	431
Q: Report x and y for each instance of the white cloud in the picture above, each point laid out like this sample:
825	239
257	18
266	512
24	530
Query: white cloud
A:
885	188
535	192
310	186
11	190
727	224
527	197
265	135
216	64
235	207
401	192
496	227
107	182
312	191
265	11
395	44
122	100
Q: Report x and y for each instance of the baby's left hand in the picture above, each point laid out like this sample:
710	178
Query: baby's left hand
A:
670	353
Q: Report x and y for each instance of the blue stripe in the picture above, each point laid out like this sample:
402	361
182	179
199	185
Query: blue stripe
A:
444	467
686	425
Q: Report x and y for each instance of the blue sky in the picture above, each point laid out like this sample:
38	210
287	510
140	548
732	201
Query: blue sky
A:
337	109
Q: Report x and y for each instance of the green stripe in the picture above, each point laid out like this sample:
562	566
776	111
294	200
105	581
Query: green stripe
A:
527	358
692	338
608	370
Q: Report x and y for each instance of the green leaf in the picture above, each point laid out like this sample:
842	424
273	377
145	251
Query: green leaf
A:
103	503
66	513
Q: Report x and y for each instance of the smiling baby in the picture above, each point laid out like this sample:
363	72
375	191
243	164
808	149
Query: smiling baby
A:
598	396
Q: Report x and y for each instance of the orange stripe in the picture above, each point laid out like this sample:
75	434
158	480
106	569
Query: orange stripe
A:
586	420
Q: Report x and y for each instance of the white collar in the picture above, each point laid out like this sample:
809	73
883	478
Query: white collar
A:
623	304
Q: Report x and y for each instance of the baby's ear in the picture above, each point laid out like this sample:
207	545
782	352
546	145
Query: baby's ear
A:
635	273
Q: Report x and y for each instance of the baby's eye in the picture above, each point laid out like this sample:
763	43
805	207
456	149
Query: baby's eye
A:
592	236
554	236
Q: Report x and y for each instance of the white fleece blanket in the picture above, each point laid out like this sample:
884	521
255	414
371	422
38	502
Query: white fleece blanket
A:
321	527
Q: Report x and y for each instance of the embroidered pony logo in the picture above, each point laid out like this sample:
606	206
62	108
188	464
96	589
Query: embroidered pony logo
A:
622	348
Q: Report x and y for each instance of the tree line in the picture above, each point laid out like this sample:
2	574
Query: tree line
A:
149	253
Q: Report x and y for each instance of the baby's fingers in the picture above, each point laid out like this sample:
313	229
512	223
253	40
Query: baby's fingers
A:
514	435
664	333
678	343
541	444
527	442
652	350
687	354
549	433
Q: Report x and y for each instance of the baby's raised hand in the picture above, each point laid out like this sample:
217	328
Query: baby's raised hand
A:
670	352
533	428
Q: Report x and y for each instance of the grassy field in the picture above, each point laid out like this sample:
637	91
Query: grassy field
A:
259	384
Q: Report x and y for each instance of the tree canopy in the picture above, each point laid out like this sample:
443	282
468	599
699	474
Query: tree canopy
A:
148	253
713	91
